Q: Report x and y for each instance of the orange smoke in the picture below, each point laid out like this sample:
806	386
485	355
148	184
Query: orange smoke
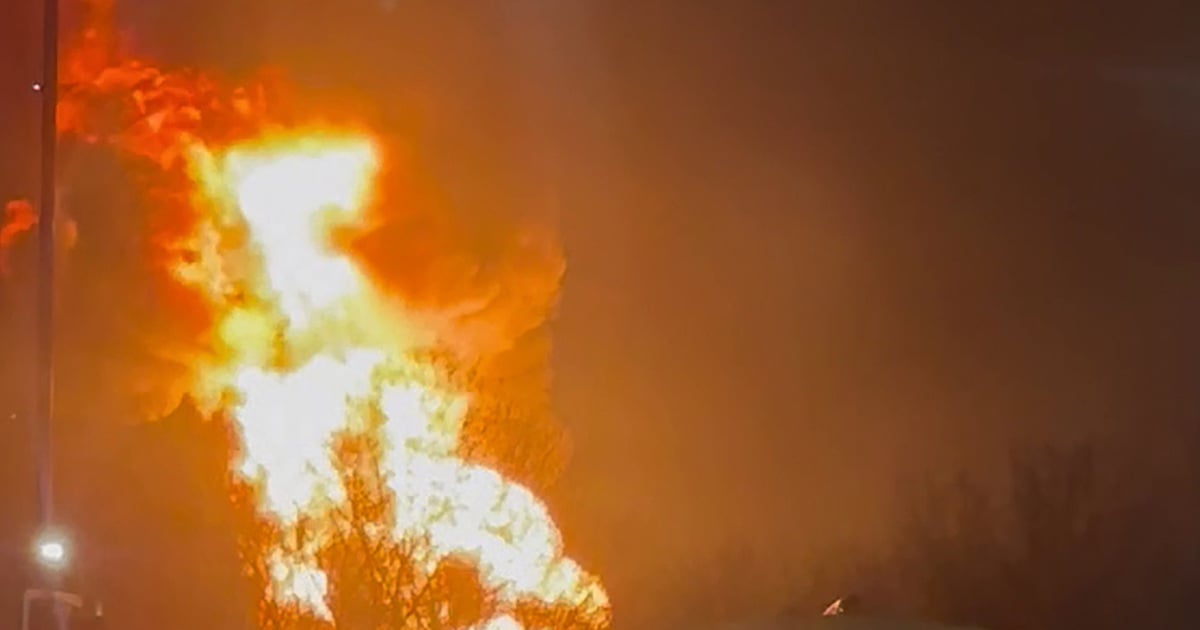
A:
342	307
19	218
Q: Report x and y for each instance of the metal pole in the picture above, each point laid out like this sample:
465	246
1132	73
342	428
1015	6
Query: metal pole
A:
59	599
25	609
44	405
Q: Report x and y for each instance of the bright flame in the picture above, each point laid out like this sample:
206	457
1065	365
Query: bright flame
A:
282	199
309	350
312	355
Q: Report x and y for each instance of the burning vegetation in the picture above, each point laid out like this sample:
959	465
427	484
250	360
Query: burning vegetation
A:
356	346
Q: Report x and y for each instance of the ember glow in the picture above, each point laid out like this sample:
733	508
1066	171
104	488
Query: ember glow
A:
327	374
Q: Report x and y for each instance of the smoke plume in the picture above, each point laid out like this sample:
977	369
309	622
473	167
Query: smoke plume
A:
485	288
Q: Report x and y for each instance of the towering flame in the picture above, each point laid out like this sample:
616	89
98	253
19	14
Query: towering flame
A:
312	355
343	386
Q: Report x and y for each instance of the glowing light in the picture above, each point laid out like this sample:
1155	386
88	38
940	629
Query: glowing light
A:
51	551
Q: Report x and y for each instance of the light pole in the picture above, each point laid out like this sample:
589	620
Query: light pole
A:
44	390
52	553
50	548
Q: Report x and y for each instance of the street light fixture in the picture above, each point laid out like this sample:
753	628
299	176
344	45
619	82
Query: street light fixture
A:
51	551
52	554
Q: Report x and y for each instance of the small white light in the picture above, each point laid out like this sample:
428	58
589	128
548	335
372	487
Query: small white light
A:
52	551
37	87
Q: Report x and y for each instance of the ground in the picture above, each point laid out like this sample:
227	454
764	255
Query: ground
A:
837	623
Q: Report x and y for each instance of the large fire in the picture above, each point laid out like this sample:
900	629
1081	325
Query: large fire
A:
311	354
335	389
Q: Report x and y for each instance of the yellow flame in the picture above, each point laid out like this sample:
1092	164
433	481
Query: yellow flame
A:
309	348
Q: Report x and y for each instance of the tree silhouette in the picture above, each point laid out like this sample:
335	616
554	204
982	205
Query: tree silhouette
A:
376	581
1061	544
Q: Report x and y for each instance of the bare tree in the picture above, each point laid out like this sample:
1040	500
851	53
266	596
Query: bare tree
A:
1060	545
376	581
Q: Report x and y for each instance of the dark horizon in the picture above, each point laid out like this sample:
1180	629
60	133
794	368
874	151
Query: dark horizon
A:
817	254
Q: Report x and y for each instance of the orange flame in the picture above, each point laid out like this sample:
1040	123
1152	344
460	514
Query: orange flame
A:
311	346
312	352
19	218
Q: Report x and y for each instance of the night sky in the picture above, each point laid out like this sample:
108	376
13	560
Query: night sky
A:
816	250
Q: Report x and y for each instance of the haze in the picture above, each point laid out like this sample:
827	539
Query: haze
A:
817	252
